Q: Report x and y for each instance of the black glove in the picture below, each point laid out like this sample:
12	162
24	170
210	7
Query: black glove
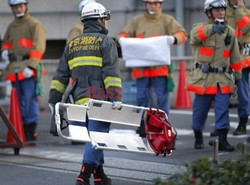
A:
218	28
237	82
53	129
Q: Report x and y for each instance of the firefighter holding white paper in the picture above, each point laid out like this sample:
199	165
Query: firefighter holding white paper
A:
216	59
153	23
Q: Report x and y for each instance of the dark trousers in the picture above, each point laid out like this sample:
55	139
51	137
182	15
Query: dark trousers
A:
201	106
27	97
91	155
159	86
243	91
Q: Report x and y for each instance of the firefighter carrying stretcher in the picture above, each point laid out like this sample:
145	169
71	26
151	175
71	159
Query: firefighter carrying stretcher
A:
91	59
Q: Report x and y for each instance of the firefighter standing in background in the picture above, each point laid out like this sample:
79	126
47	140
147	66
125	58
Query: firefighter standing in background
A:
77	29
237	16
23	46
91	60
153	23
216	55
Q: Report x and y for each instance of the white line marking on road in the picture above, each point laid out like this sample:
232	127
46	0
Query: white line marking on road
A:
39	168
189	112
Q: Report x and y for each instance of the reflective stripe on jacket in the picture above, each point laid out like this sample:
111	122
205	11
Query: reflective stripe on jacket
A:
91	60
239	19
24	37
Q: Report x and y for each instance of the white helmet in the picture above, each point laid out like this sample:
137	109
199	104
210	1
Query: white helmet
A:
94	10
209	4
82	4
152	1
16	2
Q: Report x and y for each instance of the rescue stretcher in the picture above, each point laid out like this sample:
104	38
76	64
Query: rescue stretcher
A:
128	115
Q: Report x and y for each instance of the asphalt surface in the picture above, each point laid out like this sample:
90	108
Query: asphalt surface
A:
55	160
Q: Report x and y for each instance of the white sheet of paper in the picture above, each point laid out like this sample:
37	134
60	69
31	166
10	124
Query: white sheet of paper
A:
152	51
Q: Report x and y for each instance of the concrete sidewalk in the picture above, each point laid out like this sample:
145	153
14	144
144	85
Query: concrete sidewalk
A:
116	165
143	168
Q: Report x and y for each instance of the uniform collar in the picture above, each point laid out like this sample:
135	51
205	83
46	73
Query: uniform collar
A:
94	27
157	15
22	19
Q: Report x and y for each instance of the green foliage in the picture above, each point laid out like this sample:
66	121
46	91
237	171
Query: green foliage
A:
205	172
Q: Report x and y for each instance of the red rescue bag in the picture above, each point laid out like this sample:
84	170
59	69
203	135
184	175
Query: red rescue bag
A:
161	135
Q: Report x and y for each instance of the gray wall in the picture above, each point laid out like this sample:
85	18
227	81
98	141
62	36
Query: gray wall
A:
58	16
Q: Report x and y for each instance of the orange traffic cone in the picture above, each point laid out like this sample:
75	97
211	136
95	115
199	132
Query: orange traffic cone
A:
15	118
183	100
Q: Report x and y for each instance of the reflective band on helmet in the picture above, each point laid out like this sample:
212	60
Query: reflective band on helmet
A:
16	2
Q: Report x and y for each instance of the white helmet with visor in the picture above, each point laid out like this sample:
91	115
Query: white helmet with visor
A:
210	4
16	2
94	10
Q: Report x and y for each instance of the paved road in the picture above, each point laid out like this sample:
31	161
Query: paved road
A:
55	161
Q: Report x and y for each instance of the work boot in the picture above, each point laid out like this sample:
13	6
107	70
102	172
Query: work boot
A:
141	130
248	139
85	173
100	178
29	131
198	144
241	129
214	133
33	130
25	129
223	144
